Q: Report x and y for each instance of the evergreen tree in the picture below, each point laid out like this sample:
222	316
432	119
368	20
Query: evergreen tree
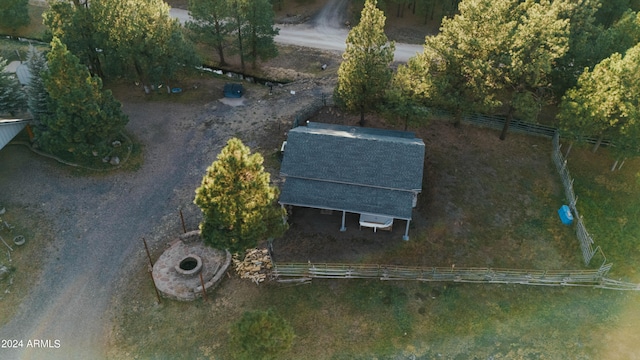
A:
72	21
260	31
37	96
261	335
83	118
14	14
237	201
141	39
540	37
462	57
210	23
364	73
410	91
237	21
496	53
12	98
605	103
252	23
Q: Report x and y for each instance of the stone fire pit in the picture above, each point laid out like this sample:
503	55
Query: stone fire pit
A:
177	271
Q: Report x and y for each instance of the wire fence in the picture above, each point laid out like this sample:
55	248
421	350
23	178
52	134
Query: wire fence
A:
288	272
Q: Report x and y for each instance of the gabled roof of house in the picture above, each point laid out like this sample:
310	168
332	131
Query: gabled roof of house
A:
361	170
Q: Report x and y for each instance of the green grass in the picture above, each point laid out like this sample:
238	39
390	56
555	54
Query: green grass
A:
609	202
360	319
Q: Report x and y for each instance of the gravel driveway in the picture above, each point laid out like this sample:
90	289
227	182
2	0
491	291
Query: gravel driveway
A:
98	220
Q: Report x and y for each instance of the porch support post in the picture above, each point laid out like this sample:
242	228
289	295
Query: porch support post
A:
343	228
406	232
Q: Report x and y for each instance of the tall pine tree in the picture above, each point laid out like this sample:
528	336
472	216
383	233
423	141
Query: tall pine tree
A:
210	24
37	96
237	201
364	73
83	118
605	103
12	98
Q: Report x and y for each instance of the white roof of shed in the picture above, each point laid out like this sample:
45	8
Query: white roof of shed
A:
21	70
9	128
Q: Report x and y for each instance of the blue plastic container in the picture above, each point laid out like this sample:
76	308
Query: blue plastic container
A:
565	215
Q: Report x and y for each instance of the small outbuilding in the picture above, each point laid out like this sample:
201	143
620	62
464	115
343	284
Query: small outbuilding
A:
375	173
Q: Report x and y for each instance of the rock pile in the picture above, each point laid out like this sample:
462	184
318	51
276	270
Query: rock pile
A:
255	265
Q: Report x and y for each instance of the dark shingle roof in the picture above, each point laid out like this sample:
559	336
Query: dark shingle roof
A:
359	170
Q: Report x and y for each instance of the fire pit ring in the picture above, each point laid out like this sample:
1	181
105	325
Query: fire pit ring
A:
190	265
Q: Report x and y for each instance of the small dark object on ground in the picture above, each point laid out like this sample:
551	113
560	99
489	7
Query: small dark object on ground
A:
233	90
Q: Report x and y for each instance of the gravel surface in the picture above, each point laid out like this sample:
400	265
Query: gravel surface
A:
98	220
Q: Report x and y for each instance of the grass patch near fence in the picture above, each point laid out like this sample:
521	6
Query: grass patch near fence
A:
609	203
365	319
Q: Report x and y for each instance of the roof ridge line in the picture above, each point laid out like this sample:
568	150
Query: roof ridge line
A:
349	183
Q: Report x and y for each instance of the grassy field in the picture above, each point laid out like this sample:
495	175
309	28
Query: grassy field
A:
358	319
610	205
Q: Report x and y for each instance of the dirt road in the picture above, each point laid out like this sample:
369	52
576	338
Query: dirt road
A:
98	221
326	32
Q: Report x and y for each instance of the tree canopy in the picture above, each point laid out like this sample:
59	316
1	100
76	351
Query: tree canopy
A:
140	39
210	24
14	14
82	118
73	23
122	38
237	202
12	98
365	72
493	54
252	23
37	96
605	103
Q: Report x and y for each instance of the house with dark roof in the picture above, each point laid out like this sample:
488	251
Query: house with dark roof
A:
372	172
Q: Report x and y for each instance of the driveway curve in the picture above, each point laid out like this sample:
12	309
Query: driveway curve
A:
97	223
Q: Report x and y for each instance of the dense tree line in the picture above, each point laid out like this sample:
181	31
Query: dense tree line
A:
513	57
134	39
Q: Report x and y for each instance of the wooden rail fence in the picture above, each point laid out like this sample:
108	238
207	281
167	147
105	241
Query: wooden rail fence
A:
301	272
585	239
